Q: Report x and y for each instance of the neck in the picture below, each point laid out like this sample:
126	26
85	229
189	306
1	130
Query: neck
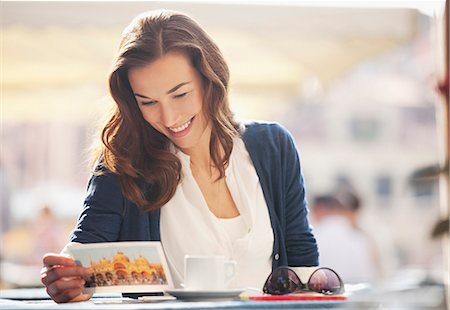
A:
201	160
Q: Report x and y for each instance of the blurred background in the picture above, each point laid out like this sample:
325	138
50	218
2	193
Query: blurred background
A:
354	82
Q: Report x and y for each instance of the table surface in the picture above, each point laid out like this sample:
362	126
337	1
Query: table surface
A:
423	297
38	299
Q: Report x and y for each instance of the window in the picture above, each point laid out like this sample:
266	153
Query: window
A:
364	130
383	188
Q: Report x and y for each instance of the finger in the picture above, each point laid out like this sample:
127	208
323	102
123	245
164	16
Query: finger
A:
51	259
72	296
63	285
67	295
58	272
44	270
65	290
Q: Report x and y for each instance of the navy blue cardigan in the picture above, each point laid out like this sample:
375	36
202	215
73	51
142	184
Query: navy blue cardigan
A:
108	216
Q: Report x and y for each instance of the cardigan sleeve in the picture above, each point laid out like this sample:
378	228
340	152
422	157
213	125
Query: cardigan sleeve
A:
277	163
301	246
101	218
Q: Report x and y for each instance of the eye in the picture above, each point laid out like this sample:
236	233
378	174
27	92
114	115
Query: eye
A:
182	95
149	103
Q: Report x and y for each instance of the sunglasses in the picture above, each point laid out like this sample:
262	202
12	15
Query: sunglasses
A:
284	280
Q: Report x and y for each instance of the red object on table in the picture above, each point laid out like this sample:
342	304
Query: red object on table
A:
294	297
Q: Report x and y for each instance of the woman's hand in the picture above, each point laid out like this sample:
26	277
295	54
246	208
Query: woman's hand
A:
64	279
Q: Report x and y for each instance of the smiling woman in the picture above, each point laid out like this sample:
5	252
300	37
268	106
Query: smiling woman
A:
175	163
175	50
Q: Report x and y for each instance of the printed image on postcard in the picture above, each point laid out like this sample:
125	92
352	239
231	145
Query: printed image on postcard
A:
125	267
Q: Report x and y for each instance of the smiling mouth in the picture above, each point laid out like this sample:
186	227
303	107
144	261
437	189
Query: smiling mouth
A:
182	127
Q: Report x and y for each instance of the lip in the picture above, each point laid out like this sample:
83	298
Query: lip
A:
182	133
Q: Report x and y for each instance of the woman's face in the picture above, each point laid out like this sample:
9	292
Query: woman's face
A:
169	93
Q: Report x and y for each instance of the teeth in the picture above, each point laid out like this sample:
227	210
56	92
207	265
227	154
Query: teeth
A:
182	127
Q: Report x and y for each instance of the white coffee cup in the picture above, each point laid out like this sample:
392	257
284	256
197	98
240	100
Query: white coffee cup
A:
210	273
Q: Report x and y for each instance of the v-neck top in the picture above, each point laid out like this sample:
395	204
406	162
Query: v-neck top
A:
188	227
235	227
108	216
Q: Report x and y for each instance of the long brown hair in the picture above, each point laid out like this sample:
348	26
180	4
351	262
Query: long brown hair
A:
141	156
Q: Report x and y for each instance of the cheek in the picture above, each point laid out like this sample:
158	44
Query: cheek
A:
149	116
198	104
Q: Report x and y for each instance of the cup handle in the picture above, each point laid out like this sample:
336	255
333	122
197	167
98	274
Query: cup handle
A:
230	269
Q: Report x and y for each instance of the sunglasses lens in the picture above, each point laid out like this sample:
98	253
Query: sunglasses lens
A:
326	281
281	281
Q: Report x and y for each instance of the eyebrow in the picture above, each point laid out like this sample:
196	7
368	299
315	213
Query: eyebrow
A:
173	89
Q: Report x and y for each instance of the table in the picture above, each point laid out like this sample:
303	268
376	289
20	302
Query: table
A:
38	299
423	298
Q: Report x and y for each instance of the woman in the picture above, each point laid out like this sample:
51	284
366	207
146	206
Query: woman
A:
177	168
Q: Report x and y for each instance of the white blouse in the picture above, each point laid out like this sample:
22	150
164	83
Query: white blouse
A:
188	227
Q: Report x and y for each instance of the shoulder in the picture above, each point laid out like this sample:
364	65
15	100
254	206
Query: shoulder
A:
261	134
103	181
259	128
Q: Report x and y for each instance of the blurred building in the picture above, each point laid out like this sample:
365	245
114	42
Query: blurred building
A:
373	129
354	86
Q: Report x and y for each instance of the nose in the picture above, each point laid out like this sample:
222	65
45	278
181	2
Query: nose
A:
169	115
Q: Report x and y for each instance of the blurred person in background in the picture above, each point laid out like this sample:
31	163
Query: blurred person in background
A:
343	245
48	235
176	167
5	216
5	212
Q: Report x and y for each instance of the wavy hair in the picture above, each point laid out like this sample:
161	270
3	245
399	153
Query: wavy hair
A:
141	156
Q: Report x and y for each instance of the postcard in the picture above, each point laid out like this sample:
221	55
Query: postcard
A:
124	267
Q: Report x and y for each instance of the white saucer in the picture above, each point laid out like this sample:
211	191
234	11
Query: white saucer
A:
196	294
